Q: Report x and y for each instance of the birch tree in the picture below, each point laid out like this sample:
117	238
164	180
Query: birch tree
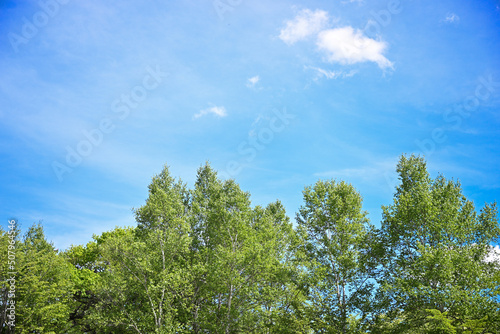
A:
436	275
335	234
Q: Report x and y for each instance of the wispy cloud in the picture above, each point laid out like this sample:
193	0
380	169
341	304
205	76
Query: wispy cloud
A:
73	219
380	174
253	81
322	73
349	46
305	24
353	1
217	111
452	18
363	173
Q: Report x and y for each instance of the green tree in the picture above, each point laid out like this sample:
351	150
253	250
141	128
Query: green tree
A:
435	249
243	279
164	228
145	285
279	289
134	291
336	234
200	260
44	285
88	265
231	257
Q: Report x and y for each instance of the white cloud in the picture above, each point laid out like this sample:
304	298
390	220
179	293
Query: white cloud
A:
217	111
320	72
305	24
253	81
348	46
452	17
344	45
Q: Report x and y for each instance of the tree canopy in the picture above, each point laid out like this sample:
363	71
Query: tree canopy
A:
204	260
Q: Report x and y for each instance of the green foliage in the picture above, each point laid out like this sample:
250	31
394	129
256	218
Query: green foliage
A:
243	280
335	238
44	285
87	266
440	323
435	246
204	260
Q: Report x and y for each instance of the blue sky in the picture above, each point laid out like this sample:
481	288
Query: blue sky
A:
96	97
